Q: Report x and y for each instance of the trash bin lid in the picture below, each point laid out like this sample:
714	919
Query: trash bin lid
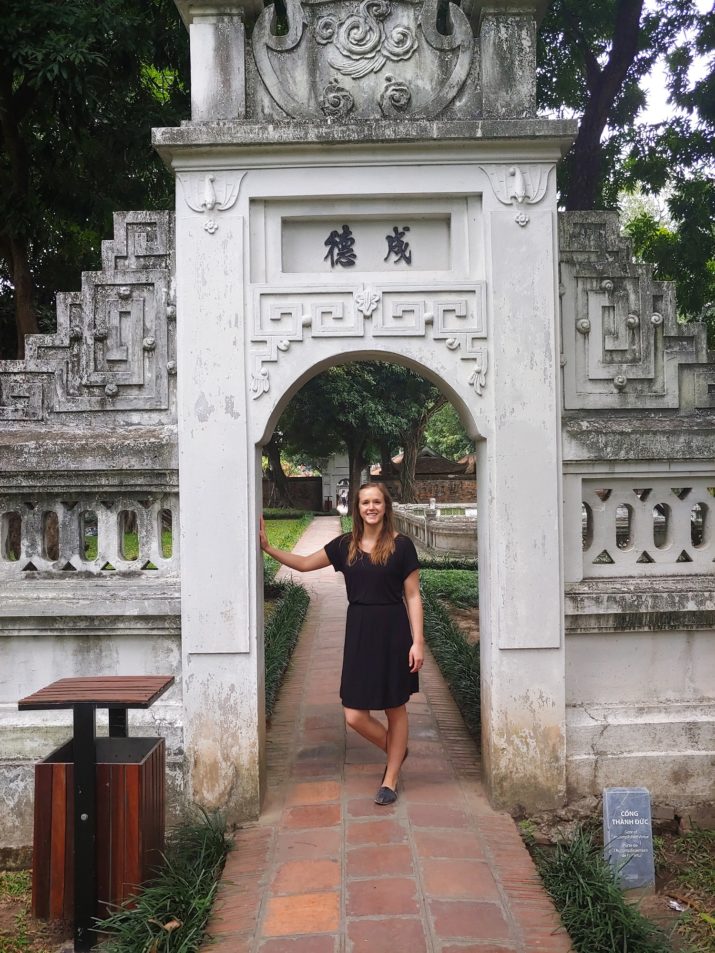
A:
106	691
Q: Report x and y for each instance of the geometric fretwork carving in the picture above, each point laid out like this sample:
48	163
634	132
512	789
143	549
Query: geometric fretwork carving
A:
114	348
454	313
664	531
622	345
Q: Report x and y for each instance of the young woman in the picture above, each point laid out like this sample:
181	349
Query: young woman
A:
384	640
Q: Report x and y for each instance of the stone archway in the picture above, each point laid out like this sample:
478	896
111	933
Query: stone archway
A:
262	307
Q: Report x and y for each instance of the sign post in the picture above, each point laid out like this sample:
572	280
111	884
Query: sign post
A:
628	838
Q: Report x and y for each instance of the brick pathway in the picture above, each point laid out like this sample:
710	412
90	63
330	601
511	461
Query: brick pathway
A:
327	871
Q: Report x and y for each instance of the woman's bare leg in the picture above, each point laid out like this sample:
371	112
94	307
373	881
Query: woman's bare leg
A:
363	722
396	744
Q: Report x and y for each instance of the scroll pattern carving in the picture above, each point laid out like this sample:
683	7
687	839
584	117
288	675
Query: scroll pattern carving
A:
307	69
115	342
623	346
456	316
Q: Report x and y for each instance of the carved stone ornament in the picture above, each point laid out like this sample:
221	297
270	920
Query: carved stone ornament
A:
455	315
114	339
332	62
519	185
211	195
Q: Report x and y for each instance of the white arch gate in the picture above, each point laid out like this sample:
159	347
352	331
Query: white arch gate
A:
472	304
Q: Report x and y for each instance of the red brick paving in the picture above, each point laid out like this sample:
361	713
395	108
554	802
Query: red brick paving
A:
325	870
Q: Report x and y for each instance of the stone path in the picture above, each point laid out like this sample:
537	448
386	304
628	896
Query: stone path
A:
327	871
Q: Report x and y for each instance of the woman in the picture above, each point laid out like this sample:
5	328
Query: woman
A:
384	641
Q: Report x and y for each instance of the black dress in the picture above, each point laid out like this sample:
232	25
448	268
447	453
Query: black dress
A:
376	668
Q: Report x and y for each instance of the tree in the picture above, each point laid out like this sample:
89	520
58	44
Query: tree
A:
363	407
81	85
445	433
592	61
683	250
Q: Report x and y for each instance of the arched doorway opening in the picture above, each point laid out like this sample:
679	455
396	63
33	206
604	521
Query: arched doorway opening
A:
376	409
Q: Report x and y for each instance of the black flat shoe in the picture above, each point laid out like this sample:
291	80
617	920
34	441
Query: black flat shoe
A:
385	796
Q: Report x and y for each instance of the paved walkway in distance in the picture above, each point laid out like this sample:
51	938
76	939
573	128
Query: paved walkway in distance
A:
325	870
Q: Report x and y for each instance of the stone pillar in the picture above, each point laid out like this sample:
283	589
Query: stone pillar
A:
218	58
222	658
507	40
519	487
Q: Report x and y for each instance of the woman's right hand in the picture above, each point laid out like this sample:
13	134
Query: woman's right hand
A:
262	535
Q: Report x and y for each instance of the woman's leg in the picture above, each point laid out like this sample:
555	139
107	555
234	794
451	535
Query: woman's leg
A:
363	722
396	744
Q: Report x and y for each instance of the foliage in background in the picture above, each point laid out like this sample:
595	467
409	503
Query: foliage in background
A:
367	409
283	534
81	85
460	587
683	249
170	914
458	661
590	902
281	634
445	433
592	61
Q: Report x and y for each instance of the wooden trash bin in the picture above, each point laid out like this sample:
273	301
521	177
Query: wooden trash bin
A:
131	798
99	802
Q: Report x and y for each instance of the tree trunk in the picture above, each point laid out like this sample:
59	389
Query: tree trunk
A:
585	160
356	462
25	315
410	450
387	467
412	442
277	474
17	244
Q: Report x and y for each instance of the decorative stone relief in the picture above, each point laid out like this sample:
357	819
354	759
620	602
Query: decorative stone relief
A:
213	194
334	62
519	186
623	345
456	315
648	526
115	339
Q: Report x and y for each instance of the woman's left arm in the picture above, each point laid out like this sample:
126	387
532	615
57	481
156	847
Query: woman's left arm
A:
413	601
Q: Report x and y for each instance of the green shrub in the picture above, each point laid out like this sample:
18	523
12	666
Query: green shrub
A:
457	659
273	513
590	902
171	912
460	587
281	633
283	534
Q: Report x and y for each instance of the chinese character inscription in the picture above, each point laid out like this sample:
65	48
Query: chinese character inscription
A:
397	246
341	248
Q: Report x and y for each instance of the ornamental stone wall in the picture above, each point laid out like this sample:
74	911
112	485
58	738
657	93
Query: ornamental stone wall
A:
396	200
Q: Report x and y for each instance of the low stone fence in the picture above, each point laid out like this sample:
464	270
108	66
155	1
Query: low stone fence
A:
443	528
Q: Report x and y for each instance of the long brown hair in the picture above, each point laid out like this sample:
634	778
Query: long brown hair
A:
385	545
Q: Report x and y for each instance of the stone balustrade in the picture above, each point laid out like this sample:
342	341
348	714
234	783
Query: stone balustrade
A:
650	526
109	535
443	528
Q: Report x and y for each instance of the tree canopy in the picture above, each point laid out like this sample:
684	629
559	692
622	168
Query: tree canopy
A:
593	59
81	85
367	409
